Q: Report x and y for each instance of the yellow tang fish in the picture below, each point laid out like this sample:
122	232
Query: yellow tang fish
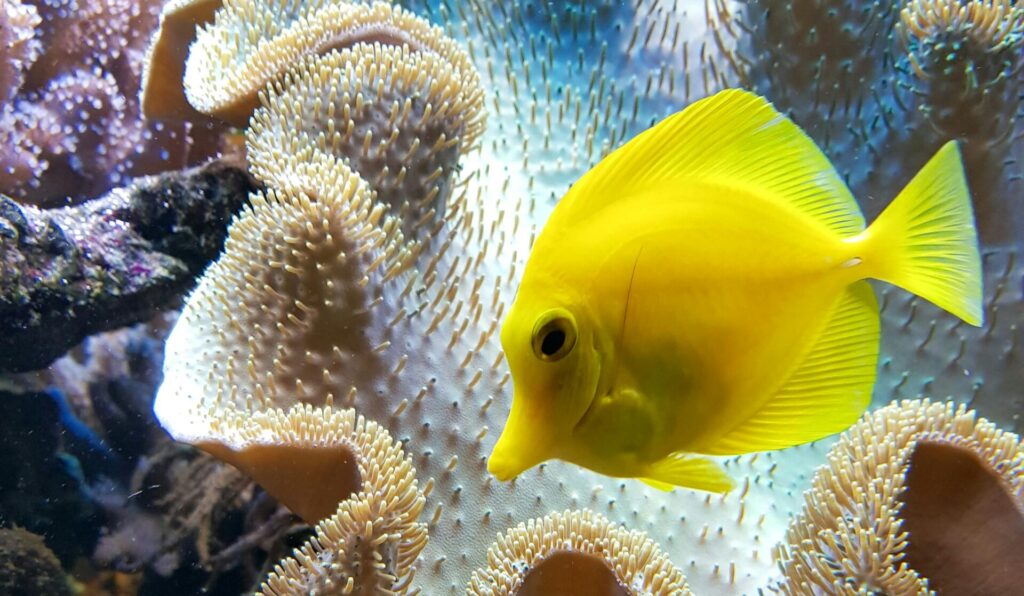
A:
702	291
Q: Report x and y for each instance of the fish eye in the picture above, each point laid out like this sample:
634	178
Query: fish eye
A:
554	335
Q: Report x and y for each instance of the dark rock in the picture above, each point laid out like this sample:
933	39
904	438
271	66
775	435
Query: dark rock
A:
72	272
123	407
41	486
55	241
28	567
10	211
8	231
177	218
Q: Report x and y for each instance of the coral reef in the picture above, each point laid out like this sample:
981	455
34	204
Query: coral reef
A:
823	63
72	272
70	124
108	382
576	552
251	43
925	353
407	333
961	67
918	496
151	513
311	459
27	567
18	46
313	256
308	274
162	95
965	57
181	509
917	63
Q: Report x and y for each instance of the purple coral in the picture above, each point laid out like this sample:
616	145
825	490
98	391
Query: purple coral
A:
70	125
17	43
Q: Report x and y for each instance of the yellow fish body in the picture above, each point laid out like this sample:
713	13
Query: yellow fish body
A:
702	291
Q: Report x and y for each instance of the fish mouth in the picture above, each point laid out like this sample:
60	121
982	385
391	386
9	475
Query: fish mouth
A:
525	442
503	469
510	457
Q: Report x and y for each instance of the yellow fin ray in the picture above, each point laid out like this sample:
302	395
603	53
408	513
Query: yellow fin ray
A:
925	241
688	471
733	138
827	392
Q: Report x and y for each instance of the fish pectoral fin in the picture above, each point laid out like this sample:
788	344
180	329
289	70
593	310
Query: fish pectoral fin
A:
688	471
827	391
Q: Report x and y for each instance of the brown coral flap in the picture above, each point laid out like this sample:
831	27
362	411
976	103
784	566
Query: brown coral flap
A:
311	481
966	531
163	94
569	572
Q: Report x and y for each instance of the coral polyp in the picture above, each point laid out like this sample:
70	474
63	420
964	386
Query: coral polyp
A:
372	541
70	123
283	316
19	45
162	94
994	25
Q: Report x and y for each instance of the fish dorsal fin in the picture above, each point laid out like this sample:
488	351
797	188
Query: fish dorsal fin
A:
734	138
829	389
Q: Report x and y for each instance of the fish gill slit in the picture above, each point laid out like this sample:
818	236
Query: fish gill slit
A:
625	315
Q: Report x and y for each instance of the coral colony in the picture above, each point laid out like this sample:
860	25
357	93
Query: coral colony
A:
337	364
71	126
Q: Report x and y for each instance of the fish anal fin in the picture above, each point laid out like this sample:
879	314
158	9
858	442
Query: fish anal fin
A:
687	471
734	139
665	486
827	392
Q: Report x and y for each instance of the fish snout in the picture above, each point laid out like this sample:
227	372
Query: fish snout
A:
503	468
518	449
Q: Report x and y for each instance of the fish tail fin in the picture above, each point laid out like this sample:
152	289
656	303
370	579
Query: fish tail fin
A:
925	241
689	471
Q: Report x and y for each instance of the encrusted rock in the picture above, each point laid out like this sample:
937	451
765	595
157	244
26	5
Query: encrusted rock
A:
68	273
